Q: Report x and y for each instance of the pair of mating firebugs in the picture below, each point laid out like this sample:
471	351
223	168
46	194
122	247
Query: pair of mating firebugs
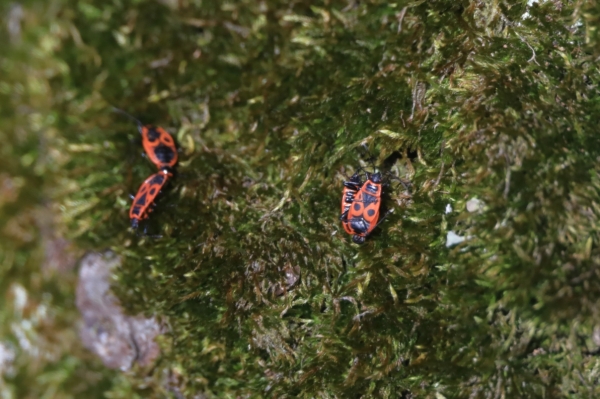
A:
360	205
162	152
360	201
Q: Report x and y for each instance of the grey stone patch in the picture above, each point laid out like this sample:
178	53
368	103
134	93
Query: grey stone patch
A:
119	340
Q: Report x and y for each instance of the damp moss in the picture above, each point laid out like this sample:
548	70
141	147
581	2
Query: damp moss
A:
271	104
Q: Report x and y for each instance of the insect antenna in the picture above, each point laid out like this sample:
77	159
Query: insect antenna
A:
129	116
381	219
366	155
407	184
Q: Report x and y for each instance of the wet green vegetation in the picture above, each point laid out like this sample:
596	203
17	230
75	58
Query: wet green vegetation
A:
272	103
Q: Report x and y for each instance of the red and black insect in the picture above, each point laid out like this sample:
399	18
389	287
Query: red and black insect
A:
144	199
157	142
351	187
363	213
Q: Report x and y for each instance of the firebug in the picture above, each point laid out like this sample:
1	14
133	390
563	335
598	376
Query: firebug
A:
146	195
157	142
363	214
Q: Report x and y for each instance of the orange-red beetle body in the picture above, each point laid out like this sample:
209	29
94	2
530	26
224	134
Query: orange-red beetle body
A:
157	142
364	210
159	146
145	197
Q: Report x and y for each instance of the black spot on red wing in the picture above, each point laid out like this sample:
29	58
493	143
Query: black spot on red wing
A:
153	191
164	153
371	212
141	201
152	135
357	207
136	210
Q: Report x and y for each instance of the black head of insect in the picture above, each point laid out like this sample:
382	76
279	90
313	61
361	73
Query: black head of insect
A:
358	239
374	177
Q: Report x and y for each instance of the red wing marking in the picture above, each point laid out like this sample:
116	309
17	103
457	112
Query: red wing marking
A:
364	210
146	195
159	146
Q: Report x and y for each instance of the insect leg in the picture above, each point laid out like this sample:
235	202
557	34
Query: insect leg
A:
406	184
381	219
344	216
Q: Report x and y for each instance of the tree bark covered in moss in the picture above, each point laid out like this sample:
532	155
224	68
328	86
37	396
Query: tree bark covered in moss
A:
271	103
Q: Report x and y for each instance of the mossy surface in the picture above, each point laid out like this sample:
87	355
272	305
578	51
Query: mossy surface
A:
271	104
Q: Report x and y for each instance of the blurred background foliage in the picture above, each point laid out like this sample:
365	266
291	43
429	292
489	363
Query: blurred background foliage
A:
489	109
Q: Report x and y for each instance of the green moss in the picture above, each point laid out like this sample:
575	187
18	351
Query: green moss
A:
271	103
